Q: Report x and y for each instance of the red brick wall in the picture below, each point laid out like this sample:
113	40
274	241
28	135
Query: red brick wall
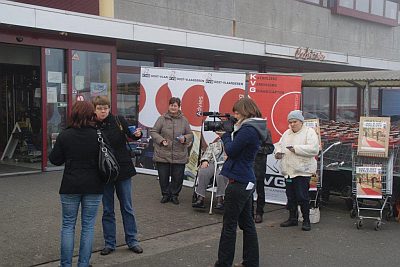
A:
82	6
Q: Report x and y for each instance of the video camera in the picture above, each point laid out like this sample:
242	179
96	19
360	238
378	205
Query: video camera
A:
216	126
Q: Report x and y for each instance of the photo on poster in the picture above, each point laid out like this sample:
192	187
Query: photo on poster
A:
369	181
373	138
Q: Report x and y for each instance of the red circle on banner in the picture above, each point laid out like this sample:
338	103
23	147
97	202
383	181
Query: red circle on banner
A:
142	98
194	101
229	99
280	109
162	98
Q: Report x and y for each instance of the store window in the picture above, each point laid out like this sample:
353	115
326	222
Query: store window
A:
377	7
316	102
391	10
374	101
184	63
346	3
346	104
91	75
128	88
134	63
362	5
57	95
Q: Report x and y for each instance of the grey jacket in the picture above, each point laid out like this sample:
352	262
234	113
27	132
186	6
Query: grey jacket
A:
168	128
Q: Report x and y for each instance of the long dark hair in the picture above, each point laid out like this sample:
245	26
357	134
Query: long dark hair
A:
82	115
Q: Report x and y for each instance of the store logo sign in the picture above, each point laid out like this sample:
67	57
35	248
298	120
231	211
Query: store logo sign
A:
307	53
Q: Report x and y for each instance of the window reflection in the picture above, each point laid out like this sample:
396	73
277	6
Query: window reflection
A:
91	75
316	102
346	107
128	96
362	5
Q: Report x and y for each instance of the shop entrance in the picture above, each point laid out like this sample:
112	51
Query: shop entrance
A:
20	110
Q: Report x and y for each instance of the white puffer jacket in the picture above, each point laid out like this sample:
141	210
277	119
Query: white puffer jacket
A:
306	146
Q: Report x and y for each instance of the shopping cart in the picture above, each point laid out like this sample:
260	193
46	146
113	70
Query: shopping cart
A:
372	180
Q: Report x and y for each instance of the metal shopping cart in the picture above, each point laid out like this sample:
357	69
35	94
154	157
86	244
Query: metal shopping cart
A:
372	180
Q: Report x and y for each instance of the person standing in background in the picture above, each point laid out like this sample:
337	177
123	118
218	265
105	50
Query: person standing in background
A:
297	149
78	148
115	129
172	136
260	166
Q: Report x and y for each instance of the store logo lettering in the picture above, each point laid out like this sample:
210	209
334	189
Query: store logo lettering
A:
307	53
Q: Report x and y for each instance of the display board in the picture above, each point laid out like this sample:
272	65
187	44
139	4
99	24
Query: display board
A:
199	91
276	95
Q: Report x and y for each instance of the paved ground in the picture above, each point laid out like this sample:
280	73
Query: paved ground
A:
179	236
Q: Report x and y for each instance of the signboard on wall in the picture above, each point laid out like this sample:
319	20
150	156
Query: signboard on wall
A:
199	91
275	95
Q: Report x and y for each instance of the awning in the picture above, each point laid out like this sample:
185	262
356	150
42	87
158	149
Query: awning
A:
353	78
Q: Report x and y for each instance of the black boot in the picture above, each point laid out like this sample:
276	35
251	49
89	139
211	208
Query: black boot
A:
292	221
305	209
199	203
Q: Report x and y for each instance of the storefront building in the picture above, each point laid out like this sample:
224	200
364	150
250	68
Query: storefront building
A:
54	53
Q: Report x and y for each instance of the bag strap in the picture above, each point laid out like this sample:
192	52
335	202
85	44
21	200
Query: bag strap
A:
121	128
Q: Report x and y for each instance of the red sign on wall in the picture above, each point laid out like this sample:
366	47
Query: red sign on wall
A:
276	96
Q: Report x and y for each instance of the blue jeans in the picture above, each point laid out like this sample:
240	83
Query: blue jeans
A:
123	189
238	210
70	206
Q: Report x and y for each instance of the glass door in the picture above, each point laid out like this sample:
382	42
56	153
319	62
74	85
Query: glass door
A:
56	96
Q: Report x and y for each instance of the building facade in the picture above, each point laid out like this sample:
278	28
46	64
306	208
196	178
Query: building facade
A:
53	53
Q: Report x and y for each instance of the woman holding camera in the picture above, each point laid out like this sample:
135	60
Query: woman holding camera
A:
241	147
172	136
115	129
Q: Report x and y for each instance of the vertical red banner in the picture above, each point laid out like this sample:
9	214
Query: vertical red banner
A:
276	96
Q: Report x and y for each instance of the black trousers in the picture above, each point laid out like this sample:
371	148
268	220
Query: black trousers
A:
260	166
297	194
238	209
177	172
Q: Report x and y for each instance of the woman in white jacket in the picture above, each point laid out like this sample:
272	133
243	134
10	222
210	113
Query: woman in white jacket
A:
297	150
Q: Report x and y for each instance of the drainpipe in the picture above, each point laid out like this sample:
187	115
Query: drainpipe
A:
366	100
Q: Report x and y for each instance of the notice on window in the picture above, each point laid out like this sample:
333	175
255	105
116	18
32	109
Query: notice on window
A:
51	94
79	82
63	89
98	89
54	77
38	93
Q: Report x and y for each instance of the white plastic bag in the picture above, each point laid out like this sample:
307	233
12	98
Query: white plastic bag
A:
315	215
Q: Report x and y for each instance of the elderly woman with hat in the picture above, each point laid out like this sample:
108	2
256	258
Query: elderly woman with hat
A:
297	150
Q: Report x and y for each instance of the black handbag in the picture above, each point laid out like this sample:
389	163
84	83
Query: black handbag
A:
108	165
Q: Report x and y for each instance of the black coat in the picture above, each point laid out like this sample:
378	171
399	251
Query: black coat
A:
78	148
115	137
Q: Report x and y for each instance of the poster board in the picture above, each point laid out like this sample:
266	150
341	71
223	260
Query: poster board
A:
369	181
373	138
314	124
199	91
276	95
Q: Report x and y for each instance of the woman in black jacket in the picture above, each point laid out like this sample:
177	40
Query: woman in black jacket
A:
78	148
115	129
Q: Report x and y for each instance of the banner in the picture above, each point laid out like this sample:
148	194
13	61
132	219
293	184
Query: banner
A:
199	91
373	137
275	95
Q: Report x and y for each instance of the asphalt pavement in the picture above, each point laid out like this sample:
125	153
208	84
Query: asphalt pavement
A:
177	235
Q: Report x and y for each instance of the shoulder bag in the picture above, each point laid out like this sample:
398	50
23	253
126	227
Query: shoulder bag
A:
108	165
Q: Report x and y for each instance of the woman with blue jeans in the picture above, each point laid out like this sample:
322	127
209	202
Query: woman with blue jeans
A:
78	148
241	147
115	130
